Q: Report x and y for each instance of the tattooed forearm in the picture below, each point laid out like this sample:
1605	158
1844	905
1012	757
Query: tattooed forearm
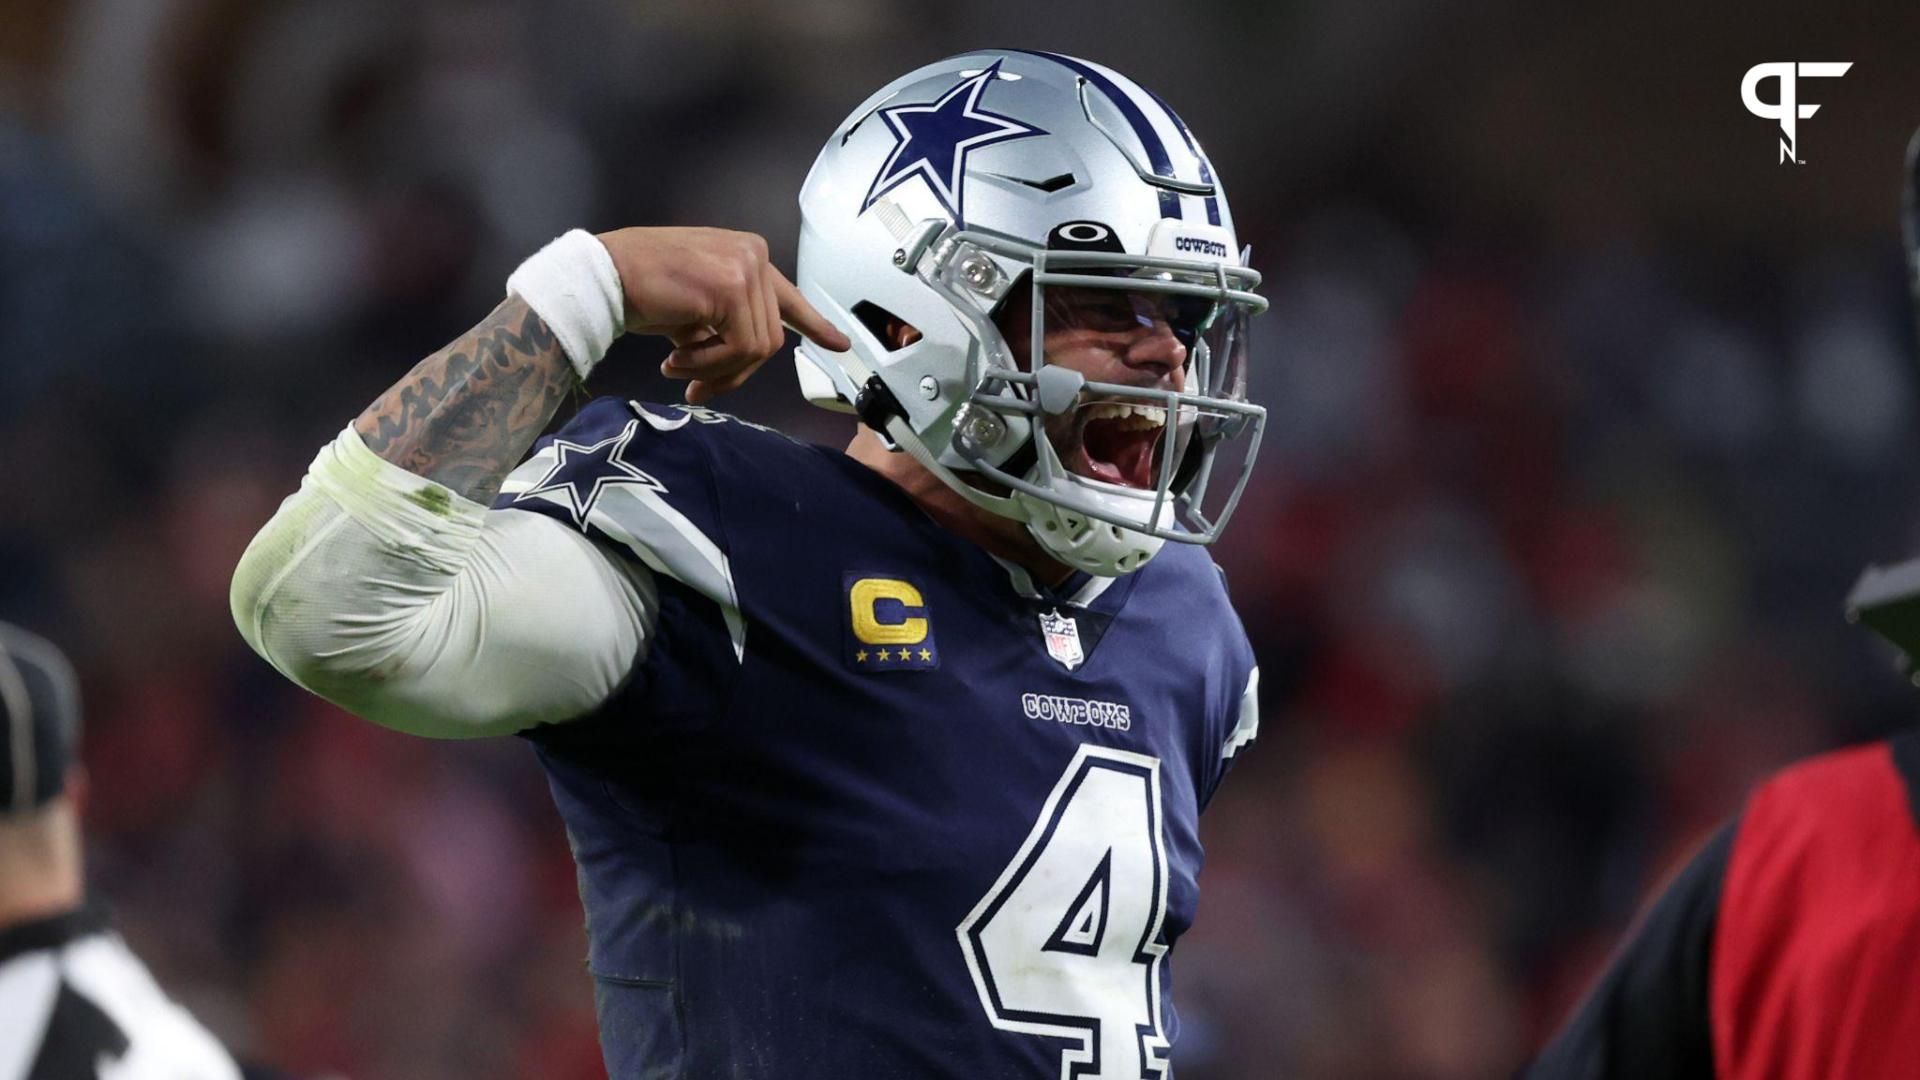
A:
465	415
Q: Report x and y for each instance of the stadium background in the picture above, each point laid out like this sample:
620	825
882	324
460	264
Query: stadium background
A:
1586	411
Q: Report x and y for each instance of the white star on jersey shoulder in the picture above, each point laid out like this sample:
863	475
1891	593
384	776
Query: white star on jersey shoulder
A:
567	492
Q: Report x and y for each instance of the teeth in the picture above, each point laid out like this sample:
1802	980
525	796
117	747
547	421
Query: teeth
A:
1134	417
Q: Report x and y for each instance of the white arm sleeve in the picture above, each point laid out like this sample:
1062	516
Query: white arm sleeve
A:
423	611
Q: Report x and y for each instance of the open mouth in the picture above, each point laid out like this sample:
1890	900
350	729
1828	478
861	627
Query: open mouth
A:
1120	444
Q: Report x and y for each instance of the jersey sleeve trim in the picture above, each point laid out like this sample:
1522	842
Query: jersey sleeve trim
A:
1247	727
663	538
634	513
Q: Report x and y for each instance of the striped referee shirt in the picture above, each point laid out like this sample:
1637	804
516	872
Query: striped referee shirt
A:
76	1004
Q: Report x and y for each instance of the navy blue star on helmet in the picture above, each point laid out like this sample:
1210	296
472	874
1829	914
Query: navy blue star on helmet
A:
934	140
580	473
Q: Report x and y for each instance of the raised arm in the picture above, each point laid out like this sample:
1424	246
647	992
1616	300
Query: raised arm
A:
465	416
386	585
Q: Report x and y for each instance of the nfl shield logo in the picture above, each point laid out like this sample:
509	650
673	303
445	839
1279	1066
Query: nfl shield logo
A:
1063	639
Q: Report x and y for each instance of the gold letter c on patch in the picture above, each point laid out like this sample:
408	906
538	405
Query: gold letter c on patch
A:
866	595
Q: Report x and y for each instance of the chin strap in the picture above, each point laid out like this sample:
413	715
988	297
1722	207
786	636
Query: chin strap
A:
903	436
881	411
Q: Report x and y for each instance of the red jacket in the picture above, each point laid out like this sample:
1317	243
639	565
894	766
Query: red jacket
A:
1816	957
1787	949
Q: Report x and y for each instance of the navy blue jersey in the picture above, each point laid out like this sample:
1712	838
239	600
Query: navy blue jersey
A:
871	804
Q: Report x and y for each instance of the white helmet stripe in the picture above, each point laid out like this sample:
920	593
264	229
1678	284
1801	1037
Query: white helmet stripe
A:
1151	139
1183	160
1165	133
1193	147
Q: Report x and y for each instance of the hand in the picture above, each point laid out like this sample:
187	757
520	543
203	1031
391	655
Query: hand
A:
713	293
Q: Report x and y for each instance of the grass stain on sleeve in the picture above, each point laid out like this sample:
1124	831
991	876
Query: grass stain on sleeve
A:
433	499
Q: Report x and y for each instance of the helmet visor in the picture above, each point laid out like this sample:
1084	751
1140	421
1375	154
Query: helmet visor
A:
1164	356
1201	334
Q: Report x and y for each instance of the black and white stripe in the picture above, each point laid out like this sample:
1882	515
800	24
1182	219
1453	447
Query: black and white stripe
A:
76	1004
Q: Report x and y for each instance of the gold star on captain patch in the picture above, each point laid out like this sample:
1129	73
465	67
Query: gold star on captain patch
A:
926	654
861	656
884	655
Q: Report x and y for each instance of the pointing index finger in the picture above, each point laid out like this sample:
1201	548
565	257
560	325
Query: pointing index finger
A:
805	321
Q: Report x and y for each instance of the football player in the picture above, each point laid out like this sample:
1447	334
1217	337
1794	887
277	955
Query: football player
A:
876	763
1786	948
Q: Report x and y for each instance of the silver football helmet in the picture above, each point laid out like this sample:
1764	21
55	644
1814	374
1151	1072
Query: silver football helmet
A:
973	213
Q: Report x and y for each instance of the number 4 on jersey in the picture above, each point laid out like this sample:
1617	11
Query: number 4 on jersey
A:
1064	944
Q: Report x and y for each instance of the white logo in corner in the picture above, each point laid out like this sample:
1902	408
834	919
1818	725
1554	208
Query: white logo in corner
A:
1063	639
1787	110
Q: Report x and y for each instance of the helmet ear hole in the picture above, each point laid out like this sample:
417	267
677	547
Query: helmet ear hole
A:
1013	316
1010	315
893	331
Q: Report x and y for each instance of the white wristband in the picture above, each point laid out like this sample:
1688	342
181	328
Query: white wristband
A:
573	286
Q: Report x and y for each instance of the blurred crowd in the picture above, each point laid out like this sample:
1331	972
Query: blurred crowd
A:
1543	561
